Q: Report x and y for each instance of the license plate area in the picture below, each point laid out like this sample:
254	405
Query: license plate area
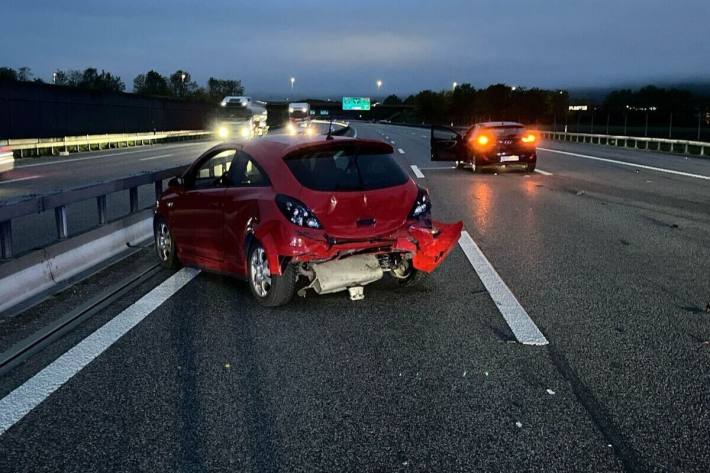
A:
509	158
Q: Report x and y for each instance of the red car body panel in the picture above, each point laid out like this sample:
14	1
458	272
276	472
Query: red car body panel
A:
213	227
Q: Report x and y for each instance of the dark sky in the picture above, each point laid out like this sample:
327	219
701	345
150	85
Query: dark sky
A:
342	47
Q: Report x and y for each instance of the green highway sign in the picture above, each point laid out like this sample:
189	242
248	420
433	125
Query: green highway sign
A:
356	103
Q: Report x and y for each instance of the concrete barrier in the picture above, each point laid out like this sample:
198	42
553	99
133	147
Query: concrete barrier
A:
38	272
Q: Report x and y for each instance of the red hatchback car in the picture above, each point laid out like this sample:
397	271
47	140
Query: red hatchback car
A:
288	213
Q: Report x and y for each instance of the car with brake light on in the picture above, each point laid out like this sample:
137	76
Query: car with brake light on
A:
297	214
484	145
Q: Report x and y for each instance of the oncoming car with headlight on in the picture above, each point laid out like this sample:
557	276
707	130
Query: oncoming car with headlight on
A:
301	214
490	144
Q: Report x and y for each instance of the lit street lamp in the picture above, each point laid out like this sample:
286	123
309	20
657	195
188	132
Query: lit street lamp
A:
379	86
454	85
54	77
293	79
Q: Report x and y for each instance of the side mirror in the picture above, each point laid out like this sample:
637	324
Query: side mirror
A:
175	183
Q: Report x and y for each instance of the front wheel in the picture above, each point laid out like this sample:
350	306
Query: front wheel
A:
165	245
269	290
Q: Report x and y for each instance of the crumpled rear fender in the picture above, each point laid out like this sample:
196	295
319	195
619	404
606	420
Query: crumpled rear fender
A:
430	246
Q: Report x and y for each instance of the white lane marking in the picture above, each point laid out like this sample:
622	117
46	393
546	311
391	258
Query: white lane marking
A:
417	172
624	163
426	136
156	157
544	173
32	392
400	150
86	158
524	329
437	168
9	181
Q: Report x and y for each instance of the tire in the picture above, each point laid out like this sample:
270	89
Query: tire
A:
474	168
165	245
531	166
408	275
268	290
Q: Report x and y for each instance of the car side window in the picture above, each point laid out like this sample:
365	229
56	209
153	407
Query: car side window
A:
245	172
211	171
445	134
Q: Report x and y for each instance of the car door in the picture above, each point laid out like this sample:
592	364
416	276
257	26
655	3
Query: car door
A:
197	215
248	185
446	144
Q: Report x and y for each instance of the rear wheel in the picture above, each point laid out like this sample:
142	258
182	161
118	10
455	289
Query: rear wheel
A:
406	274
269	290
165	245
473	166
531	166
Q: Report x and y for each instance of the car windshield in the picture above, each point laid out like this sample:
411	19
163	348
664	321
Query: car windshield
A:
346	170
505	130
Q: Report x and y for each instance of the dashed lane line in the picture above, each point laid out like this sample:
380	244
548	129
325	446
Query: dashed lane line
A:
156	157
400	150
517	318
19	179
417	172
544	173
32	392
625	163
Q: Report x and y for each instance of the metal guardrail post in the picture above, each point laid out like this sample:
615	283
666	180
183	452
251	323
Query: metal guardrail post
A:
6	239
101	207
133	195
60	217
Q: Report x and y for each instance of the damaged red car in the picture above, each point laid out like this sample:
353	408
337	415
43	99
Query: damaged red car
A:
299	214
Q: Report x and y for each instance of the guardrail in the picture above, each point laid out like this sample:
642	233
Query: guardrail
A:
59	201
666	145
34	146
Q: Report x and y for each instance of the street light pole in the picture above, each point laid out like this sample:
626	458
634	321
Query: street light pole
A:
454	85
182	84
293	79
379	86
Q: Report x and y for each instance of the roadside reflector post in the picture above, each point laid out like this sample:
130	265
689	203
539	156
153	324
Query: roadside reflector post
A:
101	207
60	217
133	196
6	239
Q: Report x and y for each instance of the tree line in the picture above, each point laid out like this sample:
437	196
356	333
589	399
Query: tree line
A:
179	84
464	104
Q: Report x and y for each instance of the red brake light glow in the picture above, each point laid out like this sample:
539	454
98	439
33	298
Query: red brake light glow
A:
529	138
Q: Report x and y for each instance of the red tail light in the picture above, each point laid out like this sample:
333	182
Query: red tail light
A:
529	138
482	140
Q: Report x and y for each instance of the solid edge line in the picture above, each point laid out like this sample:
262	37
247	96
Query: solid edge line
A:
522	326
19	179
417	172
544	173
34	391
624	163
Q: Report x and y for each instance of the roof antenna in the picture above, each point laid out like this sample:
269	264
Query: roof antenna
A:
329	136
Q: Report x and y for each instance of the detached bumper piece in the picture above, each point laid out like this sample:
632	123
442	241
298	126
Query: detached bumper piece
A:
430	246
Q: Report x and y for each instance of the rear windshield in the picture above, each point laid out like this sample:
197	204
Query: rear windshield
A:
346	170
505	130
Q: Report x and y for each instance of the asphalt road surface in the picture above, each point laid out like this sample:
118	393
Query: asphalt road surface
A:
606	251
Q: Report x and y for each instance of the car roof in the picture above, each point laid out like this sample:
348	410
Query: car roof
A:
498	124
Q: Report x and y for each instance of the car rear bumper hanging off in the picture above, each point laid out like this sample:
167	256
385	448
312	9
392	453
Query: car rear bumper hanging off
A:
428	246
